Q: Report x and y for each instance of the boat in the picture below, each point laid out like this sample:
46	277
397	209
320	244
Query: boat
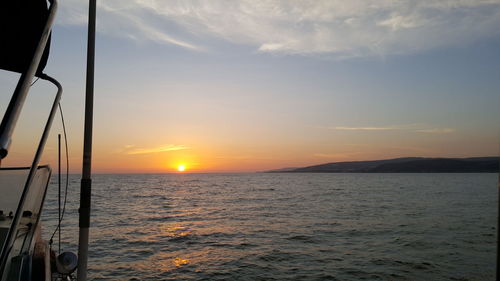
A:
26	30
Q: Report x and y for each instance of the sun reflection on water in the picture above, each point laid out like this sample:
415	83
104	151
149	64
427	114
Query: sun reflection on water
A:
180	262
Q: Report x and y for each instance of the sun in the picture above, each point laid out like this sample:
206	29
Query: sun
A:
181	167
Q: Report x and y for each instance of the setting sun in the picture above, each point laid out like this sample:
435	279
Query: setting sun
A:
181	168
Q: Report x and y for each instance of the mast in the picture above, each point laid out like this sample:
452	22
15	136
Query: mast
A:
86	182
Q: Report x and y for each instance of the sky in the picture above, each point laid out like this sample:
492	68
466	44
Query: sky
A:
244	86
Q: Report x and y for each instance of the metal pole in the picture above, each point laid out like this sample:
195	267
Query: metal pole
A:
498	228
59	189
86	182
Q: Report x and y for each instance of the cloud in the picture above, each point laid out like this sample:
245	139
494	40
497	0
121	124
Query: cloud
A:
418	128
128	18
308	27
381	128
163	148
436	131
150	31
366	128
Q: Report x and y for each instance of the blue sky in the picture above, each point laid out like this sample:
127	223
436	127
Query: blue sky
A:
251	85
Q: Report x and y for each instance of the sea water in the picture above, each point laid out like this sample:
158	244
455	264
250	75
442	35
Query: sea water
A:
285	226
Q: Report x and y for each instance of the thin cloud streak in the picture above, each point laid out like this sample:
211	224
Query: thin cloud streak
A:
410	127
155	34
437	131
164	148
366	128
344	29
122	19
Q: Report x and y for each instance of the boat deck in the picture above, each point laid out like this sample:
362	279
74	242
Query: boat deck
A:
12	182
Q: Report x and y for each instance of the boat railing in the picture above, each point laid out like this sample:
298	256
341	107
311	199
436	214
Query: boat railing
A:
11	186
11	116
21	91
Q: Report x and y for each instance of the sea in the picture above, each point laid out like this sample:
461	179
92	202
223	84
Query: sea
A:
284	226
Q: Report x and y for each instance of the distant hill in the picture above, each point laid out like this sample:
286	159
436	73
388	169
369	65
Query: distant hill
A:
405	165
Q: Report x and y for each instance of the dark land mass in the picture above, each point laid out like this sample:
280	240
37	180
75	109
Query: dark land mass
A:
405	165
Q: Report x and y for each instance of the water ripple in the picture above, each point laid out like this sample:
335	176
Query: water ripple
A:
287	226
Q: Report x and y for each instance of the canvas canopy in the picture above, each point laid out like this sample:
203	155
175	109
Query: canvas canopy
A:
21	27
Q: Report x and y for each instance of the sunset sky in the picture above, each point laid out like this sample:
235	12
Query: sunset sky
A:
232	86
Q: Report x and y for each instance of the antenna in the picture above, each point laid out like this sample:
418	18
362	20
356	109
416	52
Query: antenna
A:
86	182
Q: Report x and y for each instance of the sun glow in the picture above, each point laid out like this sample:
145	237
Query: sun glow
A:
181	167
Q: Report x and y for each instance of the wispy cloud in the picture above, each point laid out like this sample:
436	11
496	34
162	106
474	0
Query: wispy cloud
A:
436	131
340	28
379	128
366	128
418	128
150	31
131	19
164	148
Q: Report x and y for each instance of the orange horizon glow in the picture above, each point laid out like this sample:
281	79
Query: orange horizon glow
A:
212	155
201	161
